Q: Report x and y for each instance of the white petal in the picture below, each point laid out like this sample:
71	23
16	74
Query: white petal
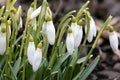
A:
70	43
37	59
20	23
74	29
92	24
31	52
35	13
50	31
2	43
44	27
92	32
113	38
79	36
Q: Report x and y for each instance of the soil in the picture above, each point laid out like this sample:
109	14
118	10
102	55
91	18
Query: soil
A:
108	67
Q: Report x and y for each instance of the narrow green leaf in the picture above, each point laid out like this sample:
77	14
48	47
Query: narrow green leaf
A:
79	14
67	74
77	76
16	66
62	22
82	59
15	77
89	69
60	61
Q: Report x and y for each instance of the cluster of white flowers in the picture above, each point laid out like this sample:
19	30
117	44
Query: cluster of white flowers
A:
34	55
48	26
77	34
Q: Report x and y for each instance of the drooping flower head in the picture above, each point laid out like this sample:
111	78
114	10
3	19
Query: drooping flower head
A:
79	34
70	41
49	29
2	40
92	32
113	38
31	50
37	57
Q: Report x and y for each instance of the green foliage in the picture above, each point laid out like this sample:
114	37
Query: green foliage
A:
56	63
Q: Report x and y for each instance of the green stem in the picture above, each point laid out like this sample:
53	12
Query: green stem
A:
96	40
40	21
7	49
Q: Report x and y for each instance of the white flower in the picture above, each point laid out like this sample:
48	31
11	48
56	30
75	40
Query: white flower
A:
113	38
35	13
20	23
92	32
37	59
50	31
44	26
31	52
74	29
70	42
2	42
79	36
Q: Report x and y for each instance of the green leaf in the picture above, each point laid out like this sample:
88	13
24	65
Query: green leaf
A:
82	59
77	76
14	76
67	75
63	21
89	69
16	66
79	14
2	61
60	61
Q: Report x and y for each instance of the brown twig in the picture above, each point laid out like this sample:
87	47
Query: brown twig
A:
59	8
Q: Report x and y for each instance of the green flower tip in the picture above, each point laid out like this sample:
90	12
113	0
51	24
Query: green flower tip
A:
8	22
32	4
73	19
2	20
69	30
80	22
88	15
49	18
3	30
30	38
40	45
111	29
47	5
13	10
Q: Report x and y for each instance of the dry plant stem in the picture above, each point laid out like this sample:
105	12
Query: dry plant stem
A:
96	40
59	8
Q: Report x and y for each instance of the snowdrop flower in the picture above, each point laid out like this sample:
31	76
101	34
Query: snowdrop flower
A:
35	13
74	27
3	25
49	29
79	34
113	38
70	41
31	50
92	32
37	57
20	23
2	40
44	26
18	16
